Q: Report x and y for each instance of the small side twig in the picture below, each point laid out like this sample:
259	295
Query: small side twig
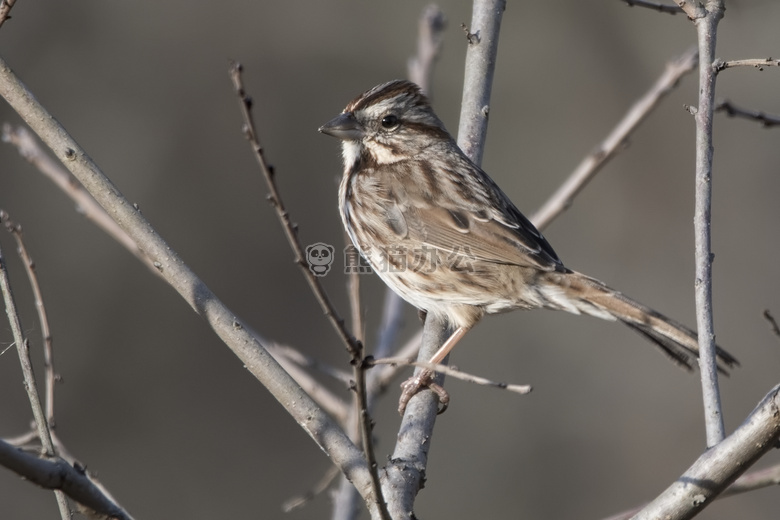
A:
772	322
767	120
564	196
290	230
452	372
353	345
756	63
655	6
50	376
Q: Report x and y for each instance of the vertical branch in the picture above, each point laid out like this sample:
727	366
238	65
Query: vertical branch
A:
406	471
50	376
706	27
23	349
478	82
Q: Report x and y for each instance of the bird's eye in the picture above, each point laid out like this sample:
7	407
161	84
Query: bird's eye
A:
389	121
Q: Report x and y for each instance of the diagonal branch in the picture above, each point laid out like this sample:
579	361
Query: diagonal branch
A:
354	346
564	196
57	474
719	466
314	421
731	110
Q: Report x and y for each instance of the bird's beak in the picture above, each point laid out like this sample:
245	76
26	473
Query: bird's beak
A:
344	126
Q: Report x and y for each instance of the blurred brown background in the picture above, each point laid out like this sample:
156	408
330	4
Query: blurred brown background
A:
167	416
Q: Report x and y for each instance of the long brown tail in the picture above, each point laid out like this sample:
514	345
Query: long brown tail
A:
577	293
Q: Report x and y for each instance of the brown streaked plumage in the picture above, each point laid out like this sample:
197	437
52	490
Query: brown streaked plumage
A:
445	237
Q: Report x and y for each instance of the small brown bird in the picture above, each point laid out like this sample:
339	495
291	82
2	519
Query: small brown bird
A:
445	237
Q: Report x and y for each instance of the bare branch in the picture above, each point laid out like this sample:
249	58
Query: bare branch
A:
655	6
452	372
720	465
706	30
314	421
748	482
58	475
354	346
756	63
405	472
772	322
30	386
564	196
480	64
29	148
50	375
290	230
732	110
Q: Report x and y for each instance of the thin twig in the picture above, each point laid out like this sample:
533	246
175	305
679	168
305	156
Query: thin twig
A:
23	349
732	110
706	30
655	6
290	230
772	322
564	196
50	376
720	465
353	345
452	372
5	10
231	330
29	148
756	63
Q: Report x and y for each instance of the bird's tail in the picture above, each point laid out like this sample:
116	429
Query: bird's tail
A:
580	294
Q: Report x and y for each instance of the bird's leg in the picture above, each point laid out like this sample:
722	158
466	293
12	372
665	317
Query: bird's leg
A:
424	378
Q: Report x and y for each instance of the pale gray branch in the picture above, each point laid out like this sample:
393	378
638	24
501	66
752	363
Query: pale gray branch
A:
315	422
57	474
30	385
564	196
453	372
706	29
720	465
405	473
29	148
482	37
